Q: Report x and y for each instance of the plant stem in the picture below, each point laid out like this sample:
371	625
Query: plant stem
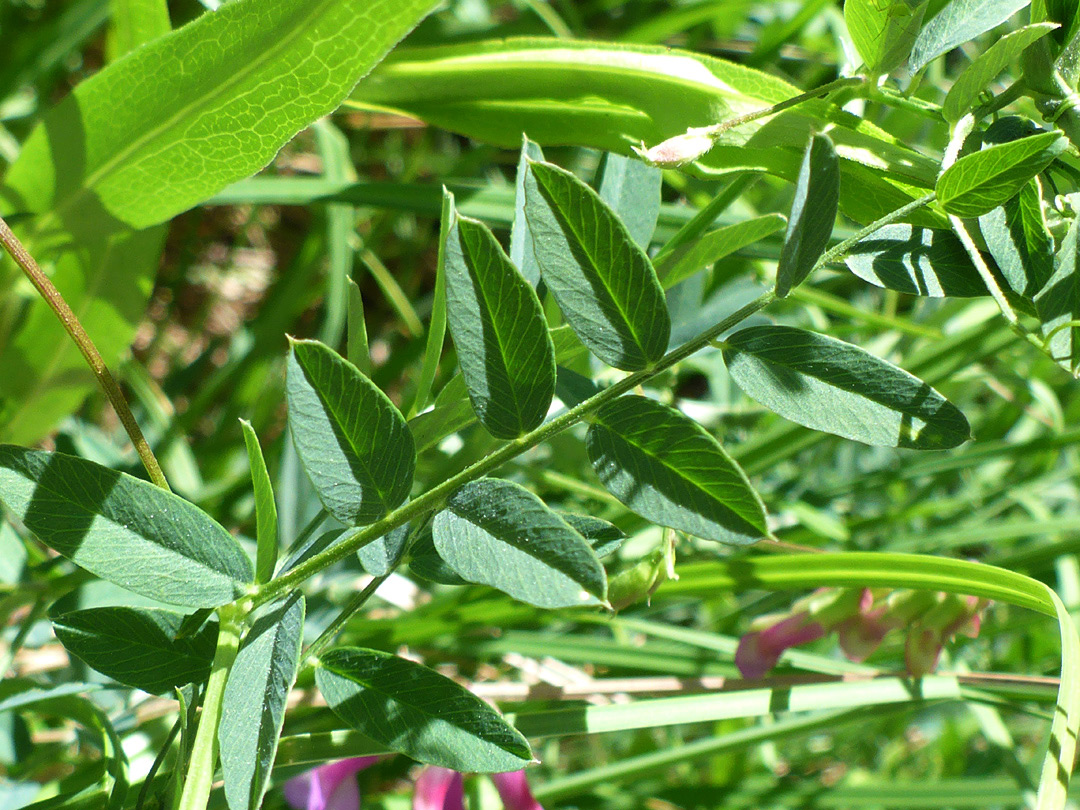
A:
93	357
204	752
838	250
330	633
434	498
716	130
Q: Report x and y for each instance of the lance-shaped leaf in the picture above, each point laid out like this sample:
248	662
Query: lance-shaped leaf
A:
253	707
602	281
919	261
1058	303
138	646
826	384
987	65
123	529
631	188
417	712
521	244
1020	242
497	533
670	470
813	214
711	247
981	181
884	31
352	441
958	22
503	346
265	507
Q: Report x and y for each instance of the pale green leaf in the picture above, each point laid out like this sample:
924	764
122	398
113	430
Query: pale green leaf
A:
986	67
958	22
253	706
631	188
918	261
983	180
1018	238
417	712
602	281
138	647
265	507
813	214
667	468
829	385
134	23
123	529
521	246
883	31
352	441
1058	303
497	533
711	247
506	355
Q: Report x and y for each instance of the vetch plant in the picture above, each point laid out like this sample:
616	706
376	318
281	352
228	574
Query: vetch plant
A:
568	344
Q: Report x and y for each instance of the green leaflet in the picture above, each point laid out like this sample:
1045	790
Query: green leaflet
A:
813	214
417	712
506	355
1020	242
521	245
604	538
712	246
983	180
265	507
884	31
123	529
825	384
138	646
958	22
919	261
381	556
670	470
425	562
602	281
352	441
987	65
1058	303
631	188
253	707
497	533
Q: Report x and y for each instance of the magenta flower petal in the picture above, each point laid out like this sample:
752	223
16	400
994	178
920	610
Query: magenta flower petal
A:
514	791
439	789
315	789
758	652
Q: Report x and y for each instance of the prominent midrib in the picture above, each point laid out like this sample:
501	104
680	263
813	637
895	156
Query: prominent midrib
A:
232	81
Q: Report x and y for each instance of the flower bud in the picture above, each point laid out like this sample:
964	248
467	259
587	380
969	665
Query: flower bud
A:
678	151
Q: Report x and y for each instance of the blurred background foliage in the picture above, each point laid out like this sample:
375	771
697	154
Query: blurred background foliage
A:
238	274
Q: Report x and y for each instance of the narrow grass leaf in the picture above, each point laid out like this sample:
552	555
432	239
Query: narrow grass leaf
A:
521	243
829	385
436	332
711	247
417	712
918	261
631	188
986	67
506	355
253	707
958	22
123	529
357	351
979	182
884	31
352	441
1058	304
134	23
1018	238
497	533
813	214
667	468
265	507
138	647
602	281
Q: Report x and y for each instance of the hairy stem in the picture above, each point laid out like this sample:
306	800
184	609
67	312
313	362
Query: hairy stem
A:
71	325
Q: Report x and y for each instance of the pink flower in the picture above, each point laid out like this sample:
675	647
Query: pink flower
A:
514	791
329	787
439	789
758	652
863	633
